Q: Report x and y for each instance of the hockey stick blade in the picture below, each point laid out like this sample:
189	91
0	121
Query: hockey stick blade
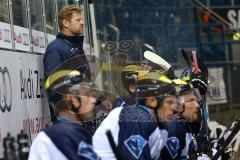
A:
153	57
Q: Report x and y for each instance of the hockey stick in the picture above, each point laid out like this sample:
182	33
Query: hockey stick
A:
202	98
153	57
229	139
196	68
203	132
186	58
113	145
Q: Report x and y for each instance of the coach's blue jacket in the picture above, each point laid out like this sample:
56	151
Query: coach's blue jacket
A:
61	49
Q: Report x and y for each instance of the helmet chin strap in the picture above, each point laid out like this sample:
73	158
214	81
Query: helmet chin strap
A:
180	113
74	109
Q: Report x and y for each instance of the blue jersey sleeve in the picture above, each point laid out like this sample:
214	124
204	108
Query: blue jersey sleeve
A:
139	136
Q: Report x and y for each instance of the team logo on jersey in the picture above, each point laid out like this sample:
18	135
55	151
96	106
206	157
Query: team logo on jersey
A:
86	150
173	146
135	145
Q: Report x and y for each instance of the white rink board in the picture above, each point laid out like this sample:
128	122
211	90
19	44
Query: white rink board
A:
29	108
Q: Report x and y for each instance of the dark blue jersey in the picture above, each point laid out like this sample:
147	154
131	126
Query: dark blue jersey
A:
66	140
136	134
179	138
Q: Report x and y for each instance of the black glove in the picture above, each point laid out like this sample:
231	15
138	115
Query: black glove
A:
199	81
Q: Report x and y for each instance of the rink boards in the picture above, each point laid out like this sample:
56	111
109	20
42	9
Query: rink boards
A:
23	102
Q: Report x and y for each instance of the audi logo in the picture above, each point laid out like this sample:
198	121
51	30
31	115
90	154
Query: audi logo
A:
5	90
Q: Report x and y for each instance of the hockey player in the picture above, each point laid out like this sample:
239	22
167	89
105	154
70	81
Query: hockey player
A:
67	139
137	131
181	129
129	75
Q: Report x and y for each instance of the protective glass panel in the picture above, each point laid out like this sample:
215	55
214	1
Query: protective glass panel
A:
19	13
61	4
4	16
51	17
36	15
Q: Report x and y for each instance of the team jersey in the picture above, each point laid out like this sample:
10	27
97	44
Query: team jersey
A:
179	138
136	134
63	141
